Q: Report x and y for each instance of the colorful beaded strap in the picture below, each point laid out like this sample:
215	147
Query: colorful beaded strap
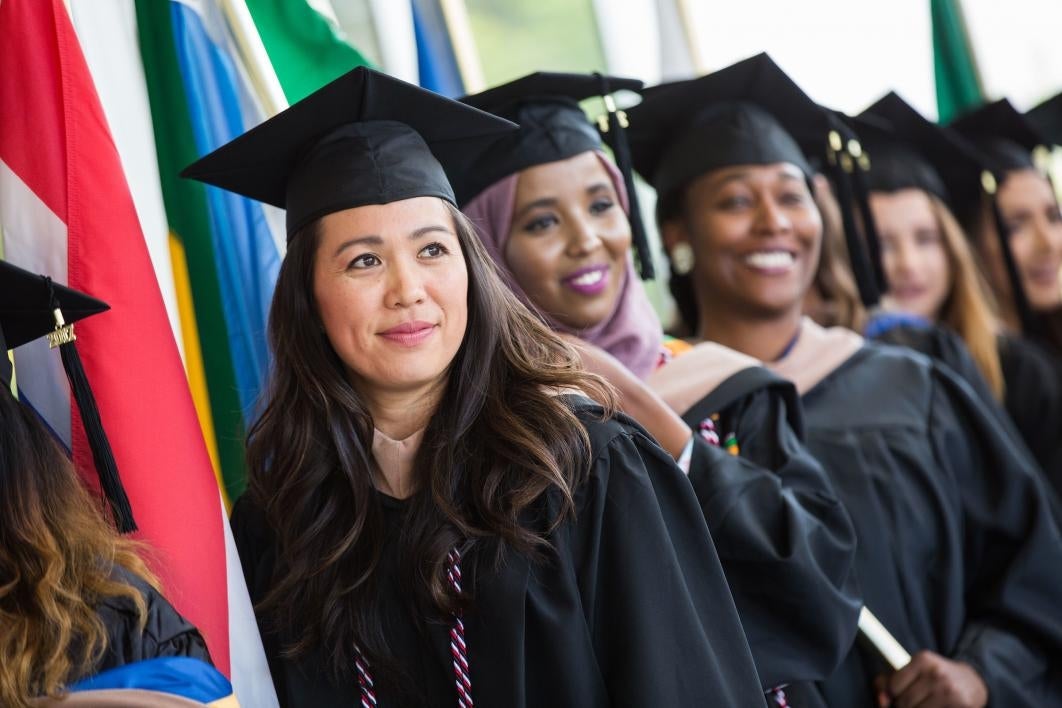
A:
458	649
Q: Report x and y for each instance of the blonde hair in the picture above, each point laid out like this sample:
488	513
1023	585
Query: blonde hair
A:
59	558
969	307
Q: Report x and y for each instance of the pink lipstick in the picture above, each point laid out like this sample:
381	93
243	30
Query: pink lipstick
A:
591	280
409	334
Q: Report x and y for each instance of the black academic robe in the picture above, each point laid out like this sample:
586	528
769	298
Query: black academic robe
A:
786	543
1032	386
1033	398
165	633
630	608
958	550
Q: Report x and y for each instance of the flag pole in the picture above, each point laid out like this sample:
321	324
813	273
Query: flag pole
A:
253	52
455	14
689	28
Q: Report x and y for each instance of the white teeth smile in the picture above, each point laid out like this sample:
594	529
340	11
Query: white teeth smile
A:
592	278
770	259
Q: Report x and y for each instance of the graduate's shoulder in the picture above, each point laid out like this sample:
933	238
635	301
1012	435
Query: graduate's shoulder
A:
879	384
607	431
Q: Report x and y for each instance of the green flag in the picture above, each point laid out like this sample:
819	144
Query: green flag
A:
957	79
304	47
188	217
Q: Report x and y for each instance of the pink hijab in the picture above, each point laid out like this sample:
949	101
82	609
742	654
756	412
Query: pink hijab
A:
631	333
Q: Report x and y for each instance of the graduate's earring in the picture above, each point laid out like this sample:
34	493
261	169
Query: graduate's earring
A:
681	258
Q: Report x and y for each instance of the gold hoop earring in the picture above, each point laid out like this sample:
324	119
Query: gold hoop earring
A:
681	258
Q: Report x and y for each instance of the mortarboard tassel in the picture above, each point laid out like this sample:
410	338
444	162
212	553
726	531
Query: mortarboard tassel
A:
613	128
1029	323
106	469
842	166
870	227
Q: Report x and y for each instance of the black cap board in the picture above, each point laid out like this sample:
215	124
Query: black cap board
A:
1005	137
365	138
553	127
906	150
748	113
1047	119
32	306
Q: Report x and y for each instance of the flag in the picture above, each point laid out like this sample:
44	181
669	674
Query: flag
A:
954	66
304	46
67	211
211	370
436	58
392	25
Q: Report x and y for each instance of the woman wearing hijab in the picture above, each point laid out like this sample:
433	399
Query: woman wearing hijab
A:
75	597
958	552
553	213
437	514
932	272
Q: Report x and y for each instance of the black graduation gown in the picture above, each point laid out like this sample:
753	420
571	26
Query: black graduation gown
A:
786	543
165	634
1032	395
1032	392
1033	398
632	609
959	551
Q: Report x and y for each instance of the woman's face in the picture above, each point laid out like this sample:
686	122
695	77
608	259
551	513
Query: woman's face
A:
568	243
756	235
913	252
1032	218
391	286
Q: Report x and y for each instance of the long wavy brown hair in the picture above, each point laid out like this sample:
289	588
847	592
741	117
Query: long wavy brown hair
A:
833	299
58	560
500	441
969	307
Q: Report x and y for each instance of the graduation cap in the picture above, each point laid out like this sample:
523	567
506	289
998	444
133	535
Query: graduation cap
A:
906	150
32	306
1003	141
750	113
1047	119
365	138
553	127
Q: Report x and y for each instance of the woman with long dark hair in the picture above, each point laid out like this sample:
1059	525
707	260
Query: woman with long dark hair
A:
1010	210
75	596
437	513
958	551
557	218
932	271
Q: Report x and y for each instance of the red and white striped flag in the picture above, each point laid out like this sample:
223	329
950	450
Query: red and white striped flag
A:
66	211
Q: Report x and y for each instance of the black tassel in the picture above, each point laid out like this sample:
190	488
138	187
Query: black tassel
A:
615	134
1030	324
870	228
857	254
102	456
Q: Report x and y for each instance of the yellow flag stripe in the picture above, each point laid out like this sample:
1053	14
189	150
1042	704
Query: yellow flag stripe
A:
193	358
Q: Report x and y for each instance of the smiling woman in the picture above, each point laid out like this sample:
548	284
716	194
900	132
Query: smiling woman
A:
437	510
915	457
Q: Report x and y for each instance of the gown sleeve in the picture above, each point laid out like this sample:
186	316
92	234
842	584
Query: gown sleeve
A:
169	634
165	632
1013	630
786	544
1033	398
662	621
